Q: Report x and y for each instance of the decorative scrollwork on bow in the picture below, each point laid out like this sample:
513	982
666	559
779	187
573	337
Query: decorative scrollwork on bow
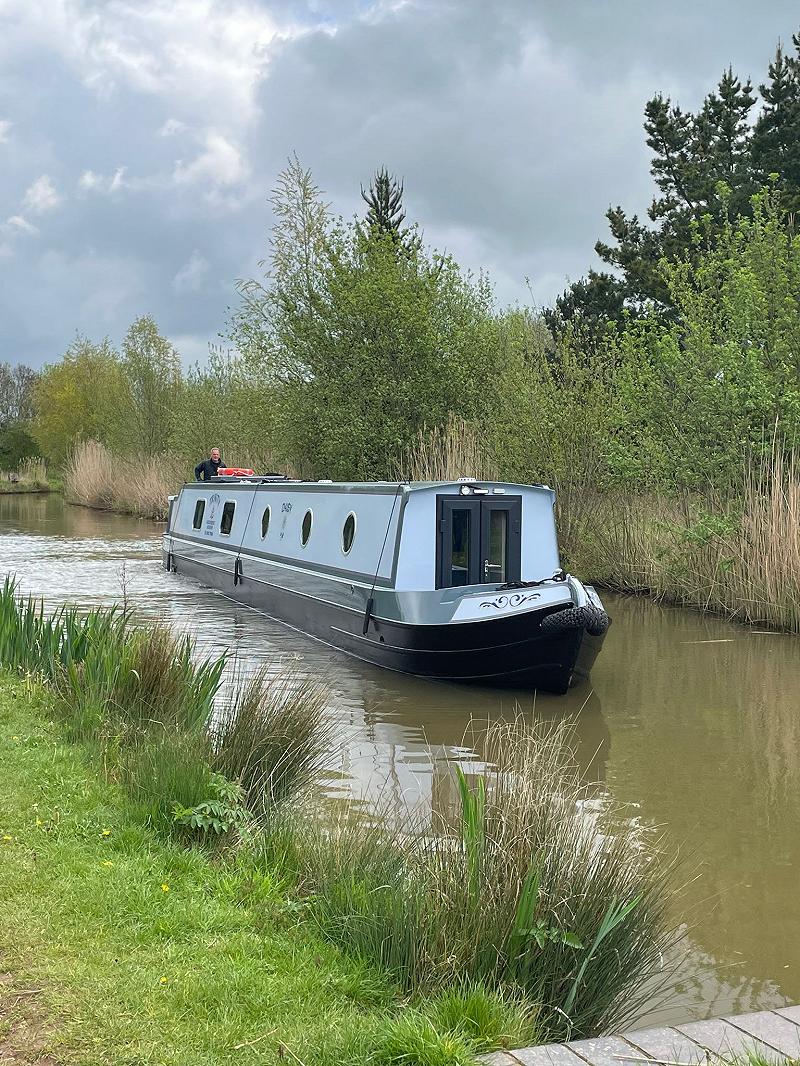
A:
516	600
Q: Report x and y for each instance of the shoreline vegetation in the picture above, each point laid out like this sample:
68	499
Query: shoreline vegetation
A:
208	900
30	476
736	557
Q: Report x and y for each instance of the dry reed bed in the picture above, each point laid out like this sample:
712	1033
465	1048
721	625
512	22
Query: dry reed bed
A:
94	477
738	557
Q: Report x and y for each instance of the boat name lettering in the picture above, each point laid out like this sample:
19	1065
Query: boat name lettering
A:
286	507
514	600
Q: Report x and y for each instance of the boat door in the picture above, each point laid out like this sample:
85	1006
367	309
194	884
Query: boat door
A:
479	540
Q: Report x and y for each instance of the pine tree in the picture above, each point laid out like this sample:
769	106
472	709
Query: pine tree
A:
776	137
385	202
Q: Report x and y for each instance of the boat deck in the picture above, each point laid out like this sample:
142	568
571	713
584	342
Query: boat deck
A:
774	1034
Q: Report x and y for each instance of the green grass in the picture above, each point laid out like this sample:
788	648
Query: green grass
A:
146	952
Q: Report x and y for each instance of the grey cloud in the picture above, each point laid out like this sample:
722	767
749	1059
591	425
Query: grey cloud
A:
514	124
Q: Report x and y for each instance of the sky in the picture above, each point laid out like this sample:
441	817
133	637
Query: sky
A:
139	139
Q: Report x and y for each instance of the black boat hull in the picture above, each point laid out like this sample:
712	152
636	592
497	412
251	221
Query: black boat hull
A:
508	651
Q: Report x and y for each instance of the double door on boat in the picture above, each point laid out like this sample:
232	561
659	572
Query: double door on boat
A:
479	540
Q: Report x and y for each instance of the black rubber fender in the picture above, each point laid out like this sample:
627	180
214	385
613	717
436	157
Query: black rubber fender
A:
593	619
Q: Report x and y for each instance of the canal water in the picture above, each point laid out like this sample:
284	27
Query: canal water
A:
690	722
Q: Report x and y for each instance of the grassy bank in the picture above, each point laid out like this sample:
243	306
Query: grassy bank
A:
118	946
498	921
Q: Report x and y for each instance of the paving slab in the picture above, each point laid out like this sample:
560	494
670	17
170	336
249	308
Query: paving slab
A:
605	1051
500	1058
549	1055
779	1032
722	1038
792	1013
667	1045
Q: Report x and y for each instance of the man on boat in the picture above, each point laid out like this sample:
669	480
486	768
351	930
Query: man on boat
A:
208	468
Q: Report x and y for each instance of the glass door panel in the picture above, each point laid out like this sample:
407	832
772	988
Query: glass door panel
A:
497	551
460	545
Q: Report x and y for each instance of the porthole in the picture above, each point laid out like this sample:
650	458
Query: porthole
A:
305	532
348	532
265	522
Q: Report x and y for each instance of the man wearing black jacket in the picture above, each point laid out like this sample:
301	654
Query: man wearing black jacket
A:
208	468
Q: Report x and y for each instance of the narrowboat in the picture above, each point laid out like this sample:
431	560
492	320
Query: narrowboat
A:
454	581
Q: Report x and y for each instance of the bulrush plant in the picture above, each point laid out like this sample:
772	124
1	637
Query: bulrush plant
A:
523	886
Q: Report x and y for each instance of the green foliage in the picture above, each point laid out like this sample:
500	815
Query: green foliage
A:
76	398
700	395
151	380
489	1018
368	340
511	892
223	813
16	395
692	153
16	444
272	738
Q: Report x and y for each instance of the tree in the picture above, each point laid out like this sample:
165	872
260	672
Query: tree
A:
384	200
704	392
364	346
151	379
16	394
776	136
74	400
692	155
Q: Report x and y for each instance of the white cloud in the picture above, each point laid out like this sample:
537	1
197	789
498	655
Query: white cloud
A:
20	223
220	163
190	277
5	129
172	127
41	196
89	181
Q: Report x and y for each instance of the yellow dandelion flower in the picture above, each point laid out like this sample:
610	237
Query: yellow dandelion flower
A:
165	887
162	980
107	863
39	822
6	837
106	833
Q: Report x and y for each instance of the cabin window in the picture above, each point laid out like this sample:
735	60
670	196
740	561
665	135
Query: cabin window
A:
305	532
199	509
265	522
226	521
348	532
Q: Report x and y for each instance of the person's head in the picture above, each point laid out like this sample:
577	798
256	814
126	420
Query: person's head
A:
215	454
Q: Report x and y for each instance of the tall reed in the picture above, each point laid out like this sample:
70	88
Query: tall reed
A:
521	884
446	453
737	555
137	485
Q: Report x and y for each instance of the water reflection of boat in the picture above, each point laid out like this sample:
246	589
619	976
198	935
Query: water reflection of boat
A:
456	581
